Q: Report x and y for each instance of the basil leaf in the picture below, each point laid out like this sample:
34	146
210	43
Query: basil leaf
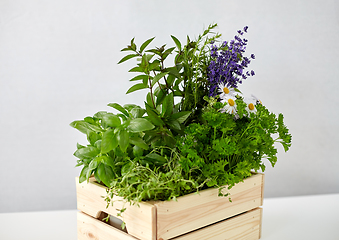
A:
140	125
123	139
137	112
138	142
137	151
83	174
87	152
105	174
109	141
92	137
111	120
84	126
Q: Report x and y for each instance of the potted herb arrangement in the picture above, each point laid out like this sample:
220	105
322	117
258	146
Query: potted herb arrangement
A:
184	164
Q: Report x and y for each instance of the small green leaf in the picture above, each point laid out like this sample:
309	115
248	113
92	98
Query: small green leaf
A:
177	42
174	124
80	146
92	137
167	105
137	112
129	56
140	77
119	108
139	142
136	87
153	116
83	174
174	71
160	97
167	52
111	120
100	114
109	141
137	69
157	77
170	79
181	116
137	151
97	176
133	46
89	120
108	161
97	144
155	65
87	152
92	166
123	139
149	99
145	44
84	127
156	158
126	168
106	174
140	125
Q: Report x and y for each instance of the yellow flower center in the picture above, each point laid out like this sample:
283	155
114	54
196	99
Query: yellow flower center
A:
231	102
251	106
226	90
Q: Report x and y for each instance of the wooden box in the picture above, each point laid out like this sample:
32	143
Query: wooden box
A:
191	217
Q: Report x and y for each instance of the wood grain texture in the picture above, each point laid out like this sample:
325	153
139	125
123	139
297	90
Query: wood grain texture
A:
194	211
140	220
245	226
169	219
90	228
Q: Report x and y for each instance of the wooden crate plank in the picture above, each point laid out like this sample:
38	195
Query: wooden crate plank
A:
90	228
194	211
262	189
140	220
242	227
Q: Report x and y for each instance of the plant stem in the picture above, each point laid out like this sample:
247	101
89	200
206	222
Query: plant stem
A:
150	89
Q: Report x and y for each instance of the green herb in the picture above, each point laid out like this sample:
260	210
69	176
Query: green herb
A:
195	130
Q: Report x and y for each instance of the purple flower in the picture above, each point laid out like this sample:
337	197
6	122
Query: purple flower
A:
228	63
252	56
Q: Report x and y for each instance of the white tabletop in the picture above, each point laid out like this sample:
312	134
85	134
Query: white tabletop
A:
299	218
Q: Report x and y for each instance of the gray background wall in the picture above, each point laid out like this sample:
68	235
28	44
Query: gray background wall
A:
58	63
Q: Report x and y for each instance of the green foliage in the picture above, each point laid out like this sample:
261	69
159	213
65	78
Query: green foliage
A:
180	141
224	150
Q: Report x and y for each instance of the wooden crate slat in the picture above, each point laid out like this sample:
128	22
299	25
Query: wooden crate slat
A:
140	220
195	211
90	228
164	220
246	226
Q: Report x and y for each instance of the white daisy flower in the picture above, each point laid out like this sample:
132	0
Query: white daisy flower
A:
250	102
231	106
226	92
257	100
